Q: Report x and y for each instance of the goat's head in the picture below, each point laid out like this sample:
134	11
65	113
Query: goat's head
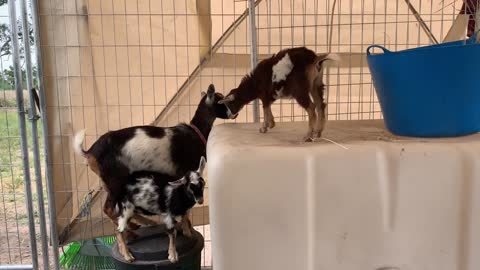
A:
194	182
231	105
209	103
238	97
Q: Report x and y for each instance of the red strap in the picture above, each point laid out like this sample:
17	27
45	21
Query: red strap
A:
199	134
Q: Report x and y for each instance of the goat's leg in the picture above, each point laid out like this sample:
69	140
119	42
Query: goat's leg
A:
317	95
122	237
172	250
271	119
122	245
266	118
321	120
186	226
312	118
126	215
303	99
141	220
172	234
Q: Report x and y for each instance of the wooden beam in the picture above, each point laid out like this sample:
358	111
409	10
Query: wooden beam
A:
226	60
204	27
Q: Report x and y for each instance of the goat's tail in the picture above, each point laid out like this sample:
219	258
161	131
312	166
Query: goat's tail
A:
326	57
78	141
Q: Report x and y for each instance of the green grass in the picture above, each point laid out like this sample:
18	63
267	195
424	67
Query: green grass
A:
11	170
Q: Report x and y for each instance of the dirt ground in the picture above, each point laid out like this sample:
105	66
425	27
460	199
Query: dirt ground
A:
15	237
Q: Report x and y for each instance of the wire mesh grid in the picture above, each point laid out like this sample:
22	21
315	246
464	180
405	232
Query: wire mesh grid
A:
14	237
15	242
348	28
22	232
117	63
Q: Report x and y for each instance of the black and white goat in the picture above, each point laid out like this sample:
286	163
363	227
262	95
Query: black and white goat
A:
172	151
294	73
153	194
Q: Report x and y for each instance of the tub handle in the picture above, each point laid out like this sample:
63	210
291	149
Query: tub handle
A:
377	46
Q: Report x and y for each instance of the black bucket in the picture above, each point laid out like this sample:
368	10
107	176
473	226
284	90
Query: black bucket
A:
150	250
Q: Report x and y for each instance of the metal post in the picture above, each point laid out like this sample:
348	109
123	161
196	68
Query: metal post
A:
253	51
23	130
33	117
43	108
422	23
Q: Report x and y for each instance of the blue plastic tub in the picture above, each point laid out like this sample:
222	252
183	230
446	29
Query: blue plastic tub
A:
431	91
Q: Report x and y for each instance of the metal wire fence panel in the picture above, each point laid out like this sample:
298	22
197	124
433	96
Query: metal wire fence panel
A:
23	226
116	63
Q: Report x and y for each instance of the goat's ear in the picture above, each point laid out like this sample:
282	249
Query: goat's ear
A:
203	94
179	182
227	99
201	167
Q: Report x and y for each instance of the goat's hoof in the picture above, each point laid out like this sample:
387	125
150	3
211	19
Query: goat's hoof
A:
128	257
263	130
317	134
271	124
308	138
173	256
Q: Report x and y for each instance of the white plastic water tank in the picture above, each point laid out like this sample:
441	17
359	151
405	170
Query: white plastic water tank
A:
374	200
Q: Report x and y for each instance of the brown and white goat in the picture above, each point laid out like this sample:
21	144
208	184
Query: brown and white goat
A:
294	73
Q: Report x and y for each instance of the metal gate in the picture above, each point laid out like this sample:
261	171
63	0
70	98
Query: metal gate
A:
23	217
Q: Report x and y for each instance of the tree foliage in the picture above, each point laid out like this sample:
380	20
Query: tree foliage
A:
9	76
6	38
6	50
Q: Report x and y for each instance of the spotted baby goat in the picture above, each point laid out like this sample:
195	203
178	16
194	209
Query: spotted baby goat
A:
294	73
152	194
169	150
